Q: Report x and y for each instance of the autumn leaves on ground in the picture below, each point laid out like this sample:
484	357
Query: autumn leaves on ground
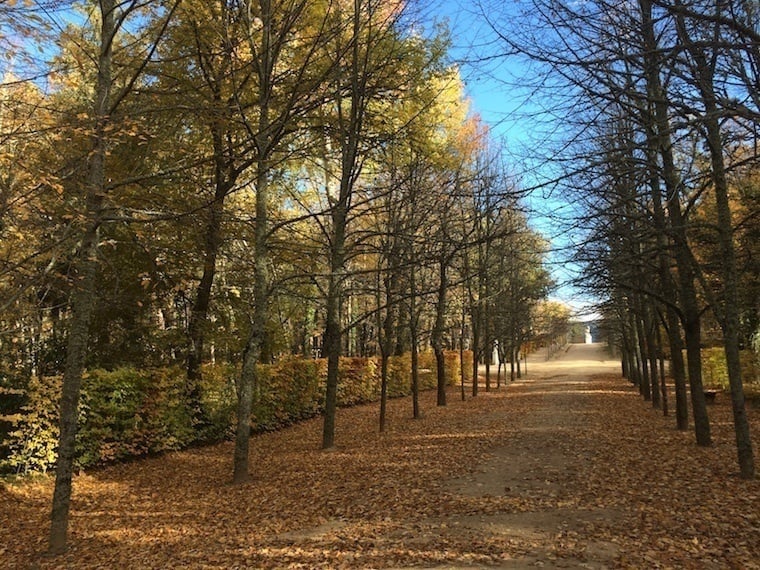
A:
566	468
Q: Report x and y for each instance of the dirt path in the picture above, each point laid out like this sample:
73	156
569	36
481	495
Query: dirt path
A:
524	497
540	462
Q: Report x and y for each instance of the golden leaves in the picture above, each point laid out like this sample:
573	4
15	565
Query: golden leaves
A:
629	487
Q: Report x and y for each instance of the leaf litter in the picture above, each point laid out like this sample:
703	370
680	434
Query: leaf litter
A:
502	480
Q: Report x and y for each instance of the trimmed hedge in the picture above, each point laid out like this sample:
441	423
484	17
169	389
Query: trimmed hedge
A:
714	373
128	413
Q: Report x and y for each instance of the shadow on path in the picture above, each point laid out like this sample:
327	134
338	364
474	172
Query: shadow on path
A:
540	463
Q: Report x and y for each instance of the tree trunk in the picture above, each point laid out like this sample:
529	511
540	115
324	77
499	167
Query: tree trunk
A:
415	376
688	296
652	351
730	320
461	348
383	389
488	348
350	129
386	334
333	350
625	348
245	392
489	354
256	342
333	327
641	335
704	78
83	301
667	286
663	384
437	333
461	367
475	349
82	307
252	353
517	359
196	329
413	333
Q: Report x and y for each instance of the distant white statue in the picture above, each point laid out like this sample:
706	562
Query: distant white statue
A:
589	340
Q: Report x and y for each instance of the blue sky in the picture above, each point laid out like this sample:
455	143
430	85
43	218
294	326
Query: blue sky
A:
500	94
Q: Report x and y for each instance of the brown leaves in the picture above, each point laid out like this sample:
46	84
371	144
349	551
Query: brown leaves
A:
618	480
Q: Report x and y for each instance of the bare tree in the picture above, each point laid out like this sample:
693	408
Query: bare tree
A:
702	67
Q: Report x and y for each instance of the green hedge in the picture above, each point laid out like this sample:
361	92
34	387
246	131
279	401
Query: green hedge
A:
714	373
128	413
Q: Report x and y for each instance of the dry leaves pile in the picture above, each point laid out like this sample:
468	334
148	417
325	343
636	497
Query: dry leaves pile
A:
386	500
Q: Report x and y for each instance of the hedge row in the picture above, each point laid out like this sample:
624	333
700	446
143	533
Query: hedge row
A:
714	367
128	413
715	374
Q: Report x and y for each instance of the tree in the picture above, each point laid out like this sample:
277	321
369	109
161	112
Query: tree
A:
702	66
521	283
283	100
213	49
599	58
689	306
86	268
86	263
367	53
